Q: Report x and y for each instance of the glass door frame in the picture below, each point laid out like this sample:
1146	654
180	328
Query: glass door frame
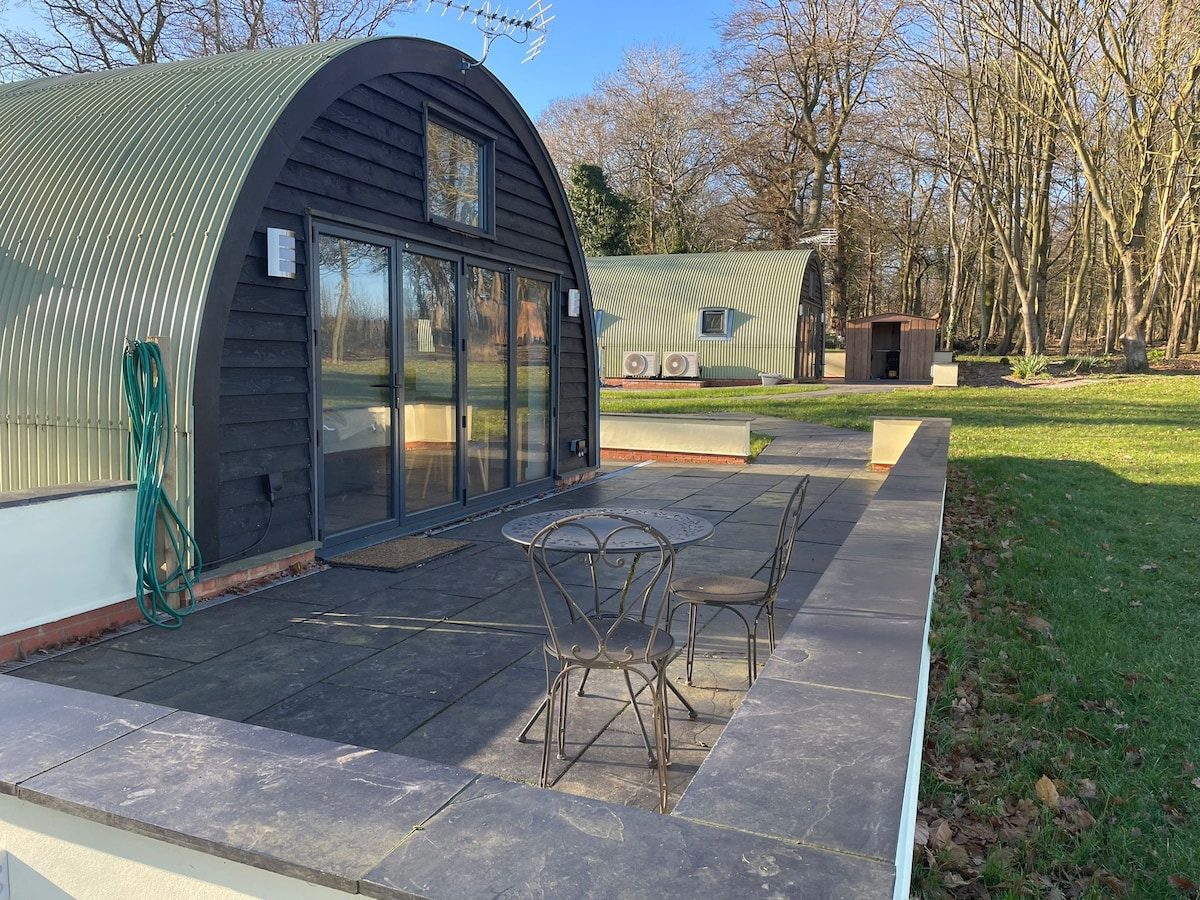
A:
400	522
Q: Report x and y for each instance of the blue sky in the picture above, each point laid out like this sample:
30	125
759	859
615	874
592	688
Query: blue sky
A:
586	40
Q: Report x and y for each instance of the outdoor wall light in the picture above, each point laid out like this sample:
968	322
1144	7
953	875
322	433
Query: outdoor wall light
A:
281	253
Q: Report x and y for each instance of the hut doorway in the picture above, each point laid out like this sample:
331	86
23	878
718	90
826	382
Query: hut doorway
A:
434	381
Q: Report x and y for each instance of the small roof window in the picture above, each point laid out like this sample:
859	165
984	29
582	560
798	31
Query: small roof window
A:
715	324
458	175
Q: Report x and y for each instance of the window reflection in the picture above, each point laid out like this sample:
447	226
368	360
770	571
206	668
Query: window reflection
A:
533	379
456	183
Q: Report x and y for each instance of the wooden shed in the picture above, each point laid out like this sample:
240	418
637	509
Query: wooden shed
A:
360	263
890	346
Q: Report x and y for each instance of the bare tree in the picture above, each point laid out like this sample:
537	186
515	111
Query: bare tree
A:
798	70
1121	79
651	127
87	35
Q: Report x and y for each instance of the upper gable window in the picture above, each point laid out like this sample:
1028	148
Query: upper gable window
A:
458	166
715	324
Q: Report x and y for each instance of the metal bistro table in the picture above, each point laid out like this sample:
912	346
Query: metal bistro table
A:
680	529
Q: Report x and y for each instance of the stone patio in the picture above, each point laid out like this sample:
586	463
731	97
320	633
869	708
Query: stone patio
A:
440	667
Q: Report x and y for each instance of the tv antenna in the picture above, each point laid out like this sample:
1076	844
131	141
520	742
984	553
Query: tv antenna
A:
530	27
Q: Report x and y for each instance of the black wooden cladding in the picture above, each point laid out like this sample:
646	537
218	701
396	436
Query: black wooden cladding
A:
361	162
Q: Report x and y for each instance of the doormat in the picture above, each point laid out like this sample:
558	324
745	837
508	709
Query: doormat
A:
401	553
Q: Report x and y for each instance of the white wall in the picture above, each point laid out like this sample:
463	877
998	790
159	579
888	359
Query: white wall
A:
65	555
55	856
727	435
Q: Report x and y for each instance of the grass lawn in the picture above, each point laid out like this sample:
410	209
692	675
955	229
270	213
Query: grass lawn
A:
1062	753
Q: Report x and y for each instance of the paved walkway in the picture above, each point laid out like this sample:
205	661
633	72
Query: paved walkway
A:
443	662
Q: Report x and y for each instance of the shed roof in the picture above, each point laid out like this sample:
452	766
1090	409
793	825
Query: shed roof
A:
891	317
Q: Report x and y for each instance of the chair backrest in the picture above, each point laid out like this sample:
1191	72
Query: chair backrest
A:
603	542
789	525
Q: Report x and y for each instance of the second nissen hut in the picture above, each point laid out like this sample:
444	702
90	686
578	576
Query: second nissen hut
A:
712	316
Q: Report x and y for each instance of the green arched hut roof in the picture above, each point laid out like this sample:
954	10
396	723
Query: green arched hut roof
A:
130	200
120	187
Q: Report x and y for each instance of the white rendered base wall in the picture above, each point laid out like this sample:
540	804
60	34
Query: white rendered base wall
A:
55	856
65	552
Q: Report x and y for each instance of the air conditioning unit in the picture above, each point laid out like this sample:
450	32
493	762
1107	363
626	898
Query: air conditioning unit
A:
640	364
681	365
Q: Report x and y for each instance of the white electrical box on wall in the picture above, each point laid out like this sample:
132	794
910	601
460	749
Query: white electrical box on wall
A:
281	253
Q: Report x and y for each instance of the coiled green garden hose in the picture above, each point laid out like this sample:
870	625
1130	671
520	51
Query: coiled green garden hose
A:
146	395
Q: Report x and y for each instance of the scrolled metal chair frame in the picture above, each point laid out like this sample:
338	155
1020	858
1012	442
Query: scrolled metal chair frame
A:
740	595
631	639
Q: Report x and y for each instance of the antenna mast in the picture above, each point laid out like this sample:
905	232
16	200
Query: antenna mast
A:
496	21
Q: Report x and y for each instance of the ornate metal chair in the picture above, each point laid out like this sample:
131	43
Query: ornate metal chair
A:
629	636
749	598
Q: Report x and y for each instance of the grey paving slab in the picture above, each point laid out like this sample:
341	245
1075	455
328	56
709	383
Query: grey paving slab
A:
824	530
848	649
744	536
716	516
251	795
720	500
882	550
478	575
887	515
331	587
383	618
250	678
840	511
664	491
811	556
103	669
813	765
615	769
723	561
516	841
851	584
215	629
796	588
513	609
442	663
350	715
911	487
59	724
479	732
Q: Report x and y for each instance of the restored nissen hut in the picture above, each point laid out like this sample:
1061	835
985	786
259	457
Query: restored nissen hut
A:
714	316
358	261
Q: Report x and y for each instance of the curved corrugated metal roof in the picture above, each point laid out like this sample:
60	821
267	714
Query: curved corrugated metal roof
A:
653	303
118	188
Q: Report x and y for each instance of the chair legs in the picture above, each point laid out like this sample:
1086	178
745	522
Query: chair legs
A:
658	751
751	626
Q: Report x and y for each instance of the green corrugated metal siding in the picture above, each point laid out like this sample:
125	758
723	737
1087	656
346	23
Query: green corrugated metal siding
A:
652	303
117	188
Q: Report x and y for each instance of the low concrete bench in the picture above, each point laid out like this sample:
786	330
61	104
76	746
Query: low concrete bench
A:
677	437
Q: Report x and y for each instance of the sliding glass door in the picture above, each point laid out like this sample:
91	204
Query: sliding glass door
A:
486	359
357	425
435	382
429	285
